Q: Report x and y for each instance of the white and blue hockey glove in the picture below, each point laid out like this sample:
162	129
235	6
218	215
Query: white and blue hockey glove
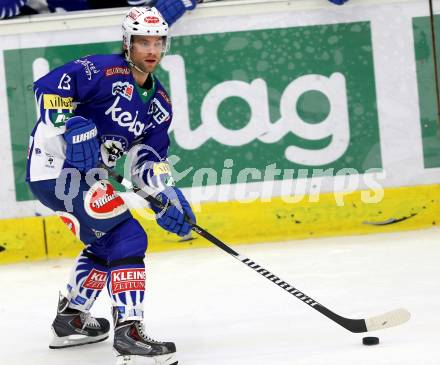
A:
82	146
338	2
10	8
172	10
172	218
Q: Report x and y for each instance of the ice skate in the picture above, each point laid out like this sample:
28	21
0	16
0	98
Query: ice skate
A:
72	327
133	347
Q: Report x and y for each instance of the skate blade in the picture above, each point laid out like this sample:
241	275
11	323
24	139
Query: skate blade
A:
74	340
168	359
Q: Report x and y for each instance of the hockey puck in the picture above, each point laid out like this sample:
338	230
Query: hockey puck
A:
369	341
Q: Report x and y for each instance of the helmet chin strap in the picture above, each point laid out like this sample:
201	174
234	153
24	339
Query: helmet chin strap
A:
132	64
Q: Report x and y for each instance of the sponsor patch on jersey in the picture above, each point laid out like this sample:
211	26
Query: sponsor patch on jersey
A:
89	68
53	101
151	20
102	201
165	96
71	222
160	168
95	280
50	161
112	71
125	119
127	279
125	89
60	119
160	114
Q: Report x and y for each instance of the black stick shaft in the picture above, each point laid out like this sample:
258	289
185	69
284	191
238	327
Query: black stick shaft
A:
353	325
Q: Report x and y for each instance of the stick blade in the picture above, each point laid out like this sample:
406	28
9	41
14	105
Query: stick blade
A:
387	320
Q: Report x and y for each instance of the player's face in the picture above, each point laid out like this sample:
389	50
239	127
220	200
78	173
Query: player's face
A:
146	51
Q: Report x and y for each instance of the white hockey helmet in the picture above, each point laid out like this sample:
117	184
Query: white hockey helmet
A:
144	21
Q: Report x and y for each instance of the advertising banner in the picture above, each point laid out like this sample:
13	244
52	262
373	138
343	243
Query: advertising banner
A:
303	96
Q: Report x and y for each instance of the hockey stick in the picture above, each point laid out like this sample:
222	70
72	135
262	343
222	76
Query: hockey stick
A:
386	320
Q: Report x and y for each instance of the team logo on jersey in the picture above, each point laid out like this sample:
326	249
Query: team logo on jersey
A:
102	201
151	20
117	70
127	279
95	280
71	222
125	89
160	114
53	101
112	149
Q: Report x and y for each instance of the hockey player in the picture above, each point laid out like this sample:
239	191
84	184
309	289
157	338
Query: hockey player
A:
93	110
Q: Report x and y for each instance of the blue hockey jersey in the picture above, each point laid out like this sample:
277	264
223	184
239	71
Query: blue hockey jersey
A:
100	88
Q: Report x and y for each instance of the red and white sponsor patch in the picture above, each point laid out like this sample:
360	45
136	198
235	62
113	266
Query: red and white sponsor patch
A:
124	89
151	19
165	96
71	222
128	92
95	280
127	279
102	201
117	70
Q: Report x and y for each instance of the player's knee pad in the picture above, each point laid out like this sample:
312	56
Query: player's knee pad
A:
127	240
87	279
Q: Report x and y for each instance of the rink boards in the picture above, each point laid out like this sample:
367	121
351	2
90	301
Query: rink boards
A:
368	99
405	208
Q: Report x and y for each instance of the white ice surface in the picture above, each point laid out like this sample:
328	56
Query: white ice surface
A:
219	312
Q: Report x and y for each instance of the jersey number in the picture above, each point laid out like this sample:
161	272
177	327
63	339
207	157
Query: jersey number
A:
65	82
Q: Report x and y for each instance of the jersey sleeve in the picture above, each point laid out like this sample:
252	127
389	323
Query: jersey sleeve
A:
58	92
150	166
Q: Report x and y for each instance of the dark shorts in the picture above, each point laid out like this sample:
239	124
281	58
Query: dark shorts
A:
89	208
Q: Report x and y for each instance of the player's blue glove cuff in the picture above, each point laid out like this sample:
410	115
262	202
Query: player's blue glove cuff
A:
172	10
82	146
338	2
172	218
10	8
